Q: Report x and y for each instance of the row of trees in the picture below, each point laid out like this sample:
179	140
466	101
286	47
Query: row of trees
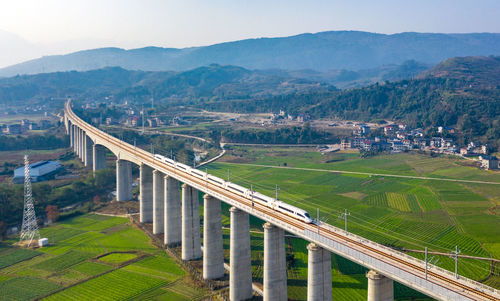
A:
285	135
10	143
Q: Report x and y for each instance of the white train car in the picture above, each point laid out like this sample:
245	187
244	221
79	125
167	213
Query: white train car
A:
217	181
237	189
169	161
198	173
182	167
262	199
292	211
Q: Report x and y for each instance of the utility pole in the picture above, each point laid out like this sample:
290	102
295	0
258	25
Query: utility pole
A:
171	154
142	119
277	192
425	263
228	175
456	261
251	193
152	149
317	218
344	216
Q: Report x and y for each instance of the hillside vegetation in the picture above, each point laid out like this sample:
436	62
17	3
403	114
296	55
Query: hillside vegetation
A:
214	81
460	92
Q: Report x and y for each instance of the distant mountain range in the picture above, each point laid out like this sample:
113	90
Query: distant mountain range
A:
333	50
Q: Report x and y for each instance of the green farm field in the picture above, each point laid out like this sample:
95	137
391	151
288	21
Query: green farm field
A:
73	267
403	213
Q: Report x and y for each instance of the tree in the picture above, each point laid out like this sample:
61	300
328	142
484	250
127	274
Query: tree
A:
52	213
3	230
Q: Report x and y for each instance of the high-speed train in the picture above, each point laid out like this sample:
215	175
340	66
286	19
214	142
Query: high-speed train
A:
245	192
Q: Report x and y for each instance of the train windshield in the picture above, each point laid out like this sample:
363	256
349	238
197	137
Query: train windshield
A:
307	215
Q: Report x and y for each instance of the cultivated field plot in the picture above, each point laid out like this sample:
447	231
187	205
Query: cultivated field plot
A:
403	213
70	260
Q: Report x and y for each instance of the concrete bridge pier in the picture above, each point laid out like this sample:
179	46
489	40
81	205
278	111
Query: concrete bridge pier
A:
275	287
99	157
319	274
380	288
240	271
172	212
88	151
191	242
81	144
158	200
213	252
76	146
123	180
146	193
70	132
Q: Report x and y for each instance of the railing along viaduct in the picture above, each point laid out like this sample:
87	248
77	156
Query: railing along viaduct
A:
175	213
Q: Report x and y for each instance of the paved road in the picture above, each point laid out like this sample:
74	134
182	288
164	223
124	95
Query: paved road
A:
370	174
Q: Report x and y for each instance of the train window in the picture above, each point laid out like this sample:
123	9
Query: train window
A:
235	189
260	199
300	215
215	181
286	209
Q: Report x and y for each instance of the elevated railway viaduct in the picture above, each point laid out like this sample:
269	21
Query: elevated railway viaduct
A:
176	215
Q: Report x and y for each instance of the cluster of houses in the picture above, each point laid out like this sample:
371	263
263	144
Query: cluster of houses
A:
398	138
26	125
282	116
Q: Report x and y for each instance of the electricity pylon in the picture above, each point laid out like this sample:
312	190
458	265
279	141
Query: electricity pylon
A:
29	230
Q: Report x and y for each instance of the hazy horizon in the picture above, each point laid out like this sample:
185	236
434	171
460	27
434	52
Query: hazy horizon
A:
30	29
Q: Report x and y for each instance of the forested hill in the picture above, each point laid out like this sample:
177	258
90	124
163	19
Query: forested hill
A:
459	92
323	51
214	82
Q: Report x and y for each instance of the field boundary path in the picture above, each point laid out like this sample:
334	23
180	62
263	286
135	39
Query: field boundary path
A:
367	173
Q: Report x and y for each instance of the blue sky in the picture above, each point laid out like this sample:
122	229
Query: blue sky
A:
57	26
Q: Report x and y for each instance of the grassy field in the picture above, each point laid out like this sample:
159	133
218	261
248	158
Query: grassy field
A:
65	269
403	213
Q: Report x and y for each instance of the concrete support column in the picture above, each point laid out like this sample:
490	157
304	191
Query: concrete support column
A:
80	155
240	272
84	149
82	144
191	242
274	263
213	252
99	157
70	132
146	193
123	180
380	288
172	206
158	200
77	140
319	274
88	151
